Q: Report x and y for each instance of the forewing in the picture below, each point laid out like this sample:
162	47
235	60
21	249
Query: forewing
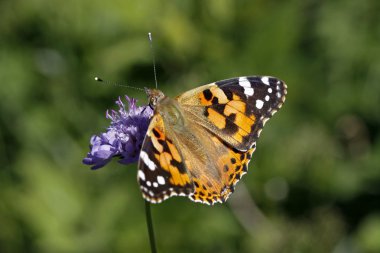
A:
161	171
235	109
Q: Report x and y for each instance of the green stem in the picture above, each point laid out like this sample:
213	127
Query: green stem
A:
150	227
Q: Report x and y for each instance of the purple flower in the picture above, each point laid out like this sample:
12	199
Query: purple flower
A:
124	136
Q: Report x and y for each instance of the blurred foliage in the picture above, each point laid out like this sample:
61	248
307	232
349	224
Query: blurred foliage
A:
315	178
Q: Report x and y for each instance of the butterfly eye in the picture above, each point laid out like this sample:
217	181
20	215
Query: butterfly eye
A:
153	101
154	97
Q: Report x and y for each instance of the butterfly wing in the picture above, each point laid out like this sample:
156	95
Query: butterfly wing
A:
161	171
188	162
235	109
215	179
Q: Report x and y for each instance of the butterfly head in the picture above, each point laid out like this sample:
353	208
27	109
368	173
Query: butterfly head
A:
154	96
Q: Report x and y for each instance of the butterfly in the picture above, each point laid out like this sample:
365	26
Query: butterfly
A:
199	144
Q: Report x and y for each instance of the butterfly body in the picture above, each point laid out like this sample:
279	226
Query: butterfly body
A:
200	143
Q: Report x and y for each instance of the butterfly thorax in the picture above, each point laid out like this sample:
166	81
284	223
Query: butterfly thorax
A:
167	107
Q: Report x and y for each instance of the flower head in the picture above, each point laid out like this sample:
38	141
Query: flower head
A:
123	137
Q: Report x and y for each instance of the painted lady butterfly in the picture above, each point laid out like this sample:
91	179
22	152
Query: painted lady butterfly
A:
200	143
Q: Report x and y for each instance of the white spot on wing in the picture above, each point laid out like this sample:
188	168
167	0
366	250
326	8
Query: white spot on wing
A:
141	175
155	184
148	183
145	158
160	179
266	98
265	80
243	81
259	104
248	90
269	90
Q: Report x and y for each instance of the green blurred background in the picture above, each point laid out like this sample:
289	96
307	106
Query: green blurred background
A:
313	185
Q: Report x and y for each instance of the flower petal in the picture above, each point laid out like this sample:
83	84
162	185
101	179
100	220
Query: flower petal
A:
123	137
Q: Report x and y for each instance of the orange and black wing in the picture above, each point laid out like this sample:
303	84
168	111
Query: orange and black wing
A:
161	170
204	169
235	109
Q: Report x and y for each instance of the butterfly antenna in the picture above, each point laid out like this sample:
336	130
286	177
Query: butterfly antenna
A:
116	84
153	58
